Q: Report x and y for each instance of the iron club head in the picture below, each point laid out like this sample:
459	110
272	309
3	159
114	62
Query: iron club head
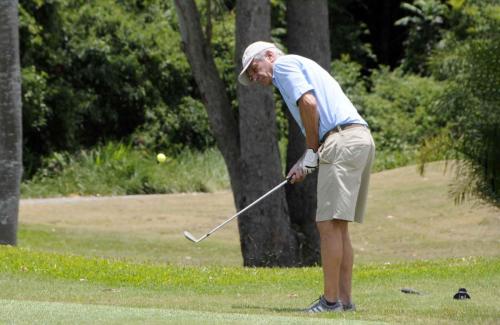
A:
190	236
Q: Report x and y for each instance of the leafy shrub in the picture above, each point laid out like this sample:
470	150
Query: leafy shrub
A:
349	76
398	109
119	169
96	71
35	114
468	60
425	21
172	129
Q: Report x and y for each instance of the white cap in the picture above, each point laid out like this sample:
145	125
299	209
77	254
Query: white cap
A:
250	52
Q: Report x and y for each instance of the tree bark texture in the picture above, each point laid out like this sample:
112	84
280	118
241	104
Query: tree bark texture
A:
249	144
10	122
267	230
222	120
307	35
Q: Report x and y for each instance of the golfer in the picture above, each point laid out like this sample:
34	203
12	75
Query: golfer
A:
339	145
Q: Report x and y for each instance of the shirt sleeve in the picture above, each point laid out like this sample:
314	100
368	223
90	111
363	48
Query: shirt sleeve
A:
291	79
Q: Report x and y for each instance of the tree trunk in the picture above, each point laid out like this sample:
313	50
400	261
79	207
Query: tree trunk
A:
268	229
249	146
10	122
308	35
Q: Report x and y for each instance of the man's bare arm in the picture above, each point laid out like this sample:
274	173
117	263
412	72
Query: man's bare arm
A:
310	119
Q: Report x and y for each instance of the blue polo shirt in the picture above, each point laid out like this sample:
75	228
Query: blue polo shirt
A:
295	75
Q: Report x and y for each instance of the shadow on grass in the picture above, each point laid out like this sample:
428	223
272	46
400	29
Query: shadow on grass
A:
275	310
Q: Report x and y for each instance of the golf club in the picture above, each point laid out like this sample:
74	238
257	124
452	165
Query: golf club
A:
192	238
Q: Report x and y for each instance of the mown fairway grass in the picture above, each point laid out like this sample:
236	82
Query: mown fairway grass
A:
220	292
124	260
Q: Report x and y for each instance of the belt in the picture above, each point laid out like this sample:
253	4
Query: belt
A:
341	127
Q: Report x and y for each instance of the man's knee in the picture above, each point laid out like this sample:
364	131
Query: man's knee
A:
325	227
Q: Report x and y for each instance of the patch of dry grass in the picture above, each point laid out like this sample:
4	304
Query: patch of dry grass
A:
409	217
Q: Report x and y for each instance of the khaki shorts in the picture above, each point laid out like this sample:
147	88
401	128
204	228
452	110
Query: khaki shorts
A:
345	160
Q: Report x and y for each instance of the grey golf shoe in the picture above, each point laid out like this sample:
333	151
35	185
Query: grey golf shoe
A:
321	306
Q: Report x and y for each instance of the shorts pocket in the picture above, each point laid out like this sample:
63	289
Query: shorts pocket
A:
326	151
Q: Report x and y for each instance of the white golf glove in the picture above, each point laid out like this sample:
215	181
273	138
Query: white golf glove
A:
309	162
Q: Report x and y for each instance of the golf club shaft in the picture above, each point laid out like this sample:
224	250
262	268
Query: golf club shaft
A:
248	207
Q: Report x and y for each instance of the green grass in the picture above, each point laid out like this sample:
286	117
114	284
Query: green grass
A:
131	247
65	313
118	169
31	279
124	260
385	160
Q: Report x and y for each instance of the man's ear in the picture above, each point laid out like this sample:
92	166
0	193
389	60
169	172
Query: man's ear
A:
270	55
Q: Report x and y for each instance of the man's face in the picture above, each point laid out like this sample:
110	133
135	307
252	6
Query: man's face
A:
261	71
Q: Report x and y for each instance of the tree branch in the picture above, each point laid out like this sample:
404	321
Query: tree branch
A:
213	91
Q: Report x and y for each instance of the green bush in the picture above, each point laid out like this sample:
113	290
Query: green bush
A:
349	76
119	169
425	23
171	129
468	61
96	71
398	107
36	114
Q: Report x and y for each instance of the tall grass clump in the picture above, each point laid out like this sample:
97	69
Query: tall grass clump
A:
119	169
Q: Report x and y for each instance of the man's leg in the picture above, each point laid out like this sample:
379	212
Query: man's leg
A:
331	256
346	267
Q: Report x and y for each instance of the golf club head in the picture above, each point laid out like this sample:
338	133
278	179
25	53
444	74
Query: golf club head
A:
190	236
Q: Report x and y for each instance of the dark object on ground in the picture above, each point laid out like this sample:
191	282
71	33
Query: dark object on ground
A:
461	294
410	291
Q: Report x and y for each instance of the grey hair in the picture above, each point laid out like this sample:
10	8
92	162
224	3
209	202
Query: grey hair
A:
261	55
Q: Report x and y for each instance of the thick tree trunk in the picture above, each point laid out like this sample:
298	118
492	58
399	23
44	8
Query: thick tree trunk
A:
10	122
268	229
308	35
249	146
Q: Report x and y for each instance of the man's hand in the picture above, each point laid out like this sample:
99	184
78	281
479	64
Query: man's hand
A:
309	161
304	166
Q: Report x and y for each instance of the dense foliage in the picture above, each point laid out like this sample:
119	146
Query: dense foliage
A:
96	71
425	22
468	63
118	169
99	72
397	106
